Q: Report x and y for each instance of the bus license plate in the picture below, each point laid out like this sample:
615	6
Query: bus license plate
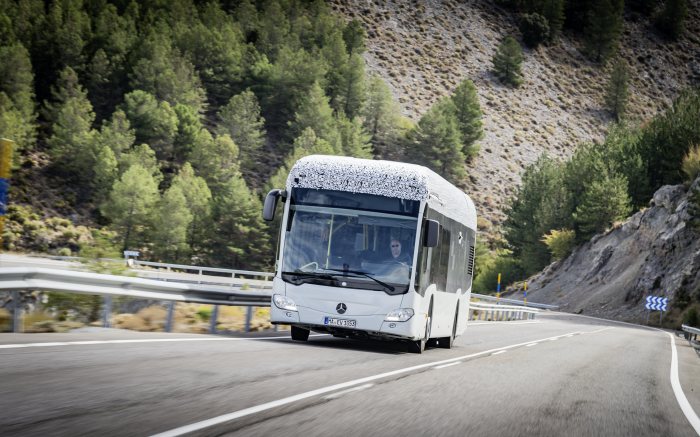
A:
344	323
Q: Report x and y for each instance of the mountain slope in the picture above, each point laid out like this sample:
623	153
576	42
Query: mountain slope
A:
425	48
655	252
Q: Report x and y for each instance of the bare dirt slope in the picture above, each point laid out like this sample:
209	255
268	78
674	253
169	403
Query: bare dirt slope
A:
655	252
425	48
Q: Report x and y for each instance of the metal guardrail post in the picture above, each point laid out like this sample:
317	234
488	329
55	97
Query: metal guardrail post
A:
107	310
248	318
16	313
169	319
214	319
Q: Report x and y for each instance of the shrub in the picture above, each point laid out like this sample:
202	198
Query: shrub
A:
507	61
204	313
560	243
691	318
691	163
505	264
535	29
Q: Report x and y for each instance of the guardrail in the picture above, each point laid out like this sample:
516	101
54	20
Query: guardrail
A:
17	279
485	311
200	270
691	333
543	306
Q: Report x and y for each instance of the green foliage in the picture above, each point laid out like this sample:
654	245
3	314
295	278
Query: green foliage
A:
216	159
691	164
468	114
671	19
130	205
505	264
666	140
354	37
542	203
17	115
560	242
80	307
535	29
603	29
604	202
241	120
438	141
25	230
691	318
306	144
617	93
553	11
507	62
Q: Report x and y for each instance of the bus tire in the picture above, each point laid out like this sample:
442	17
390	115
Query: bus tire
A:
300	334
448	342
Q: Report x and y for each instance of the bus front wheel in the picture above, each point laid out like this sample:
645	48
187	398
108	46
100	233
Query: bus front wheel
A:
418	346
300	334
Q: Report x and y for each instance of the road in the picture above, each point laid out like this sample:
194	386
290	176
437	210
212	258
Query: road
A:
562	375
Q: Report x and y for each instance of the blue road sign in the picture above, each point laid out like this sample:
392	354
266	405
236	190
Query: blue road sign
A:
4	187
656	303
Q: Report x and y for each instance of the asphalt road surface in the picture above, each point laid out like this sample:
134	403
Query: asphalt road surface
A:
562	375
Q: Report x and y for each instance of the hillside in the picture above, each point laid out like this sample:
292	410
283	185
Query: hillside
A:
425	48
655	252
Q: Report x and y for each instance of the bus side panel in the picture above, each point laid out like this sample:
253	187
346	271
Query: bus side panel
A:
444	305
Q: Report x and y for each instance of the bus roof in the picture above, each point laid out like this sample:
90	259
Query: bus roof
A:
383	178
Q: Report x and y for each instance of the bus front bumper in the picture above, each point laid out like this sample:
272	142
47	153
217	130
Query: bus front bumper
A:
368	326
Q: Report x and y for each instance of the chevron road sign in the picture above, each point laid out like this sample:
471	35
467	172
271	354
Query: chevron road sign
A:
656	303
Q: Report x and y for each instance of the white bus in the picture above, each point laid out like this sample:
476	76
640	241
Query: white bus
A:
372	249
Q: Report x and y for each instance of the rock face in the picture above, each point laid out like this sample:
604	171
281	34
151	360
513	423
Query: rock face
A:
655	252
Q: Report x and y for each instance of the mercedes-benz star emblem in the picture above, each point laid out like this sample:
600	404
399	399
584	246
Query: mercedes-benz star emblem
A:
341	308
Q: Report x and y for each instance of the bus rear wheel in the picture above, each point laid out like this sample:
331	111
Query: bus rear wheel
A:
300	334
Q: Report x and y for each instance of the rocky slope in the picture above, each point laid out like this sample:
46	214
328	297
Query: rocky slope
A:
655	252
424	48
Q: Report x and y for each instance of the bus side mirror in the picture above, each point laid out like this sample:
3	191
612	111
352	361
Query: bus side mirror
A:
271	204
432	232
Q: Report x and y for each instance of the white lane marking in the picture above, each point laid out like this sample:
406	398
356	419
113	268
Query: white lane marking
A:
447	365
350	390
687	409
503	323
597	330
553	339
323	390
568	336
532	344
678	389
499	352
143	340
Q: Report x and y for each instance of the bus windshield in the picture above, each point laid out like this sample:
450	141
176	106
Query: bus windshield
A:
344	239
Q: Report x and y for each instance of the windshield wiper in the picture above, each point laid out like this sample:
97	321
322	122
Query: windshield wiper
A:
366	275
301	275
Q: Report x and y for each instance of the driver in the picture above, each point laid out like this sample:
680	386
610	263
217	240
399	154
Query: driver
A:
396	254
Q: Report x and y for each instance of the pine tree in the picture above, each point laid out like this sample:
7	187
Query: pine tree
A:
336	58
155	122
439	143
353	91
535	29
216	160
553	11
468	113
603	29
116	134
354	139
507	61
671	20
199	200
381	119
240	238
616	94
189	126
130	205
106	171
604	202
241	120
316	113
354	36
17	114
171	221
145	157
71	141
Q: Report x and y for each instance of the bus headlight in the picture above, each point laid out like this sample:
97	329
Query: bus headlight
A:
399	315
284	303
